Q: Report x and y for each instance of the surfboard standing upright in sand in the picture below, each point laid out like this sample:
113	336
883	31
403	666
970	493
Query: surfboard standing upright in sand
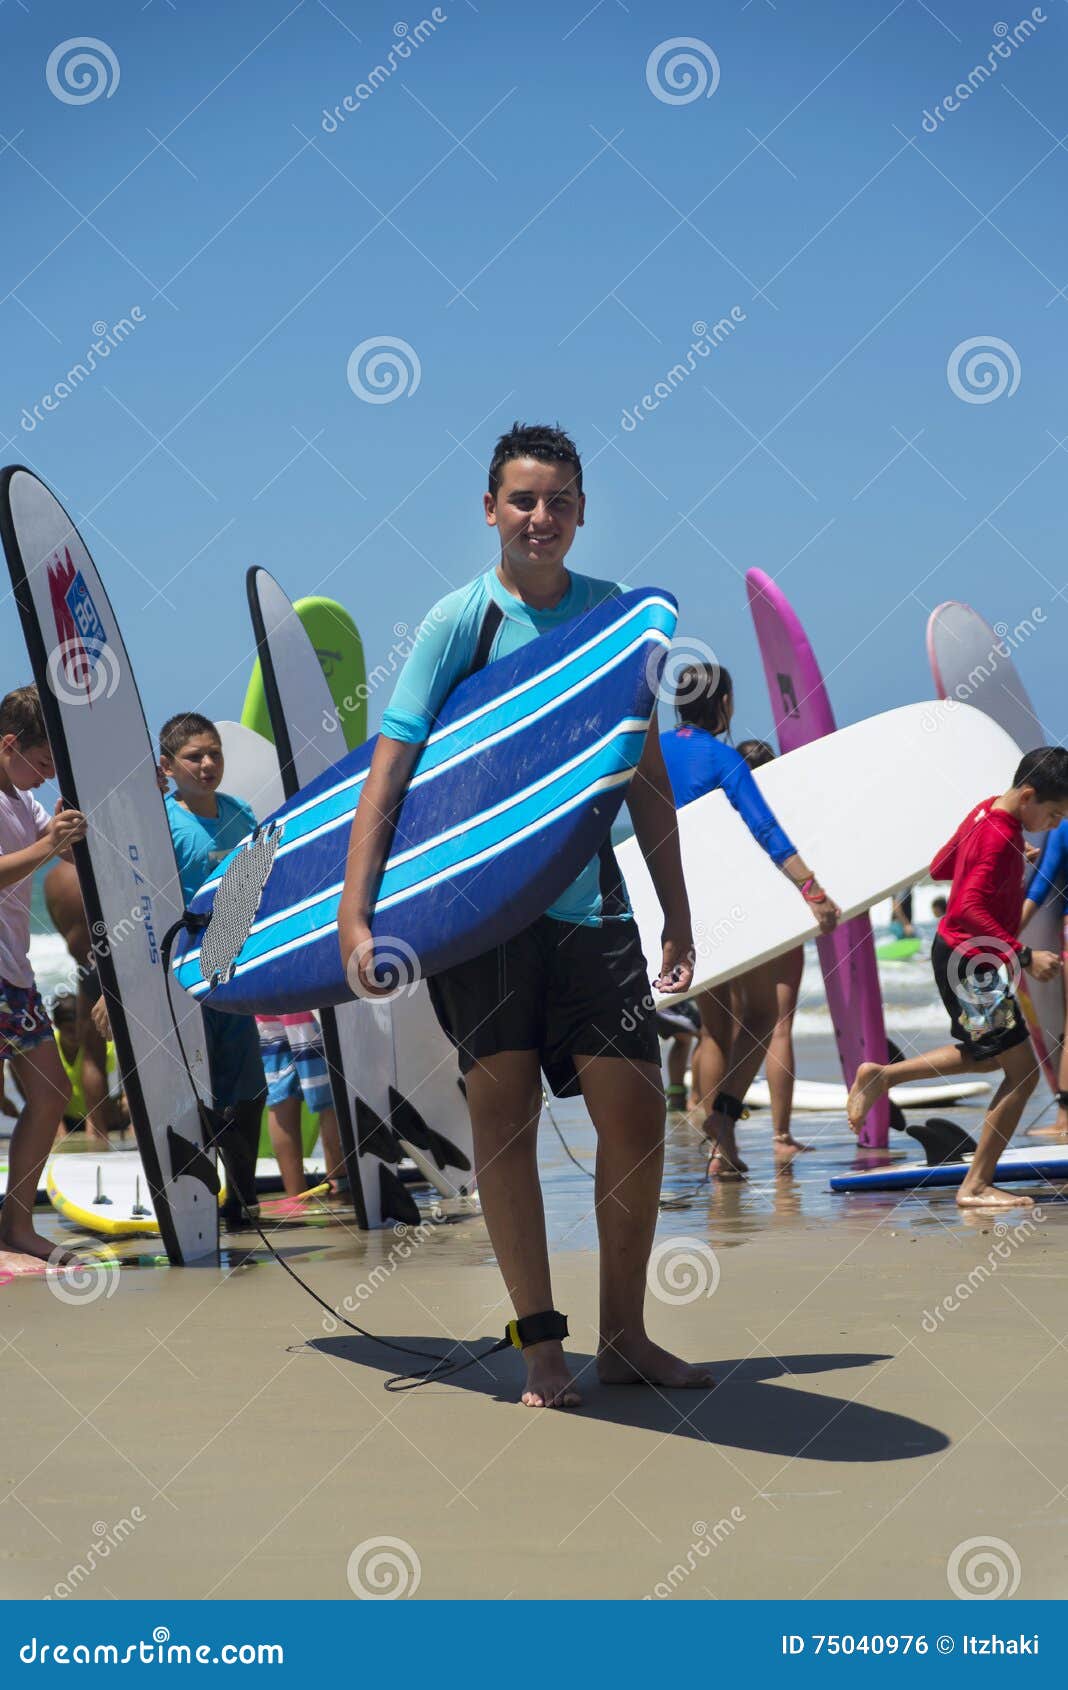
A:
802	712
972	664
358	1037
106	767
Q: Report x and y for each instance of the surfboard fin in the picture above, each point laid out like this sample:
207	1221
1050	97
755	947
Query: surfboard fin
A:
411	1129
942	1141
373	1136
395	1199
188	1158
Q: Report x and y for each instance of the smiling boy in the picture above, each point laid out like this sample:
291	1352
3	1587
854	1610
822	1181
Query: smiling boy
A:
564	996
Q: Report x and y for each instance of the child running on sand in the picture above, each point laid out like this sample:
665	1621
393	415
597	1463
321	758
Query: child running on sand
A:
205	826
28	838
565	995
977	957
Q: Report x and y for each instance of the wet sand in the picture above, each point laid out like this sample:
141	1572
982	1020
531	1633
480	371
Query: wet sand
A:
198	1433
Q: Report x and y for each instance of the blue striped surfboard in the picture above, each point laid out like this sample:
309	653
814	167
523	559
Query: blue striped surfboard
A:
514	793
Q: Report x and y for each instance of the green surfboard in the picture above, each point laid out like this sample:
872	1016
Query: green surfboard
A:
339	649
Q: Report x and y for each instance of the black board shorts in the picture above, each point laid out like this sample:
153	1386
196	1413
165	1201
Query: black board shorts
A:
559	989
981	1033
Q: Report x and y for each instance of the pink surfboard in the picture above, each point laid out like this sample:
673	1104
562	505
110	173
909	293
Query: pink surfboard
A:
802	712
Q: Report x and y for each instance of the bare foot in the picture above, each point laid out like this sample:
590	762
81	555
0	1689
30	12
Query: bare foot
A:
992	1197
639	1361
549	1381
1059	1128
724	1162
31	1245
868	1087
786	1147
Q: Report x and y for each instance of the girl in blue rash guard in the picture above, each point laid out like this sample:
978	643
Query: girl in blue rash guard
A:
1050	880
735	1034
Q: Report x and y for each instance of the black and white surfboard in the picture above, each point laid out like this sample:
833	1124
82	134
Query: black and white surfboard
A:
106	767
357	1036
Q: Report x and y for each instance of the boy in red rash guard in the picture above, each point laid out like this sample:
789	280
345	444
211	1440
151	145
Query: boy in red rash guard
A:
977	958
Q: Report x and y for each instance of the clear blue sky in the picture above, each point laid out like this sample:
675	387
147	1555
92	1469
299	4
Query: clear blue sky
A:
519	206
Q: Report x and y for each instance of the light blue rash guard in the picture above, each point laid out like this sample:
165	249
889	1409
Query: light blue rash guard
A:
201	842
697	762
444	650
1051	875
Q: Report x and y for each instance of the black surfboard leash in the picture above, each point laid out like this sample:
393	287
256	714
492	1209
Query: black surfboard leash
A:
444	1368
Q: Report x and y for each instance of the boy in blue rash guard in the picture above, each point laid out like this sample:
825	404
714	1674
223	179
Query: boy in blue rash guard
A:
1050	880
206	824
561	996
734	1040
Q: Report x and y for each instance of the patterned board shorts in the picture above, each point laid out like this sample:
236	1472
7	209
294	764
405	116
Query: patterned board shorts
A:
24	1022
294	1061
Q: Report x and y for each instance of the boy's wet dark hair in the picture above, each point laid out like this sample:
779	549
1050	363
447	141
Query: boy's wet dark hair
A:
535	440
756	752
701	693
21	715
1046	770
938	907
176	730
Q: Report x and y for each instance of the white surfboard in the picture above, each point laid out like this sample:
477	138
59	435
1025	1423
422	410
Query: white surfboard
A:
106	767
110	1195
250	769
819	1096
973	665
838	801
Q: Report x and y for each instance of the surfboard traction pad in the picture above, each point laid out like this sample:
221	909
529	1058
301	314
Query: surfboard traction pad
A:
237	900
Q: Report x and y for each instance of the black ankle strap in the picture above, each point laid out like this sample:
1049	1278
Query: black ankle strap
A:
732	1107
536	1328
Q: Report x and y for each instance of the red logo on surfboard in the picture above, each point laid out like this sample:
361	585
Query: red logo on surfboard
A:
80	632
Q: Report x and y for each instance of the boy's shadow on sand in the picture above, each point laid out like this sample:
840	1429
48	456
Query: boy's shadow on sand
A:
745	1410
